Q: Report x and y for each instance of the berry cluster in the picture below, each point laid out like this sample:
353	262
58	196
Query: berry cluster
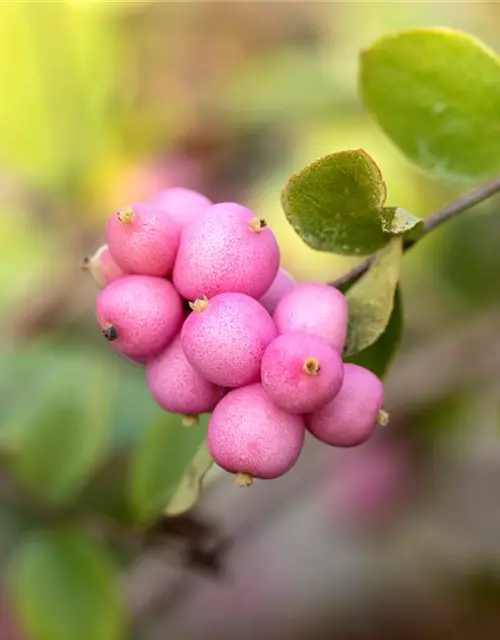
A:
194	291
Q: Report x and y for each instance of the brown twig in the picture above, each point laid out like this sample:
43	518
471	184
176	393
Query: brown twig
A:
449	211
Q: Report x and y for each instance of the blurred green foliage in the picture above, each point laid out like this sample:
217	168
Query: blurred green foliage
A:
72	577
51	130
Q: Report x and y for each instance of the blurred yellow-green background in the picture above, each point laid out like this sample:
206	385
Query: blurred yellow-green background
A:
104	103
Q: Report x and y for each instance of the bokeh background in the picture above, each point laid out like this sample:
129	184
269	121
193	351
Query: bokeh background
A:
106	102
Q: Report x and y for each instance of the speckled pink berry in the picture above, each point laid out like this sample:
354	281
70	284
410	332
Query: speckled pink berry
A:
251	437
177	386
139	315
180	205
226	249
314	308
351	417
301	372
143	240
102	267
282	283
225	338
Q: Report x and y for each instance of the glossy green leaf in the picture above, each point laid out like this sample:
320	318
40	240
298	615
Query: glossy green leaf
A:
63	587
436	94
378	356
371	298
189	489
159	463
336	204
67	433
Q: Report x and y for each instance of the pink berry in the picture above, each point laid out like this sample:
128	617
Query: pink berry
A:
225	338
180	205
250	436
139	315
283	283
226	249
102	267
176	386
351	417
143	240
301	372
314	308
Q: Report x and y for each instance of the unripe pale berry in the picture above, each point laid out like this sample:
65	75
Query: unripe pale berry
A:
351	417
143	240
225	338
301	372
251	437
226	249
282	283
102	267
139	315
314	308
177	386
180	205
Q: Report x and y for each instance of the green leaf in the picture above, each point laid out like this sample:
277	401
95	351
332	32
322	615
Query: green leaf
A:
371	298
336	204
378	356
63	587
189	488
159	463
67	435
436	94
396	221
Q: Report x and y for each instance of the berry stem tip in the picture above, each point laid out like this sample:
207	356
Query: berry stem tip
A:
85	264
200	304
311	367
126	215
110	333
257	224
243	480
190	420
382	418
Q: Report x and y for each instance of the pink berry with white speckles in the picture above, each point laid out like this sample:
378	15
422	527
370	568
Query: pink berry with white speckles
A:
225	338
314	308
180	205
282	283
139	315
351	417
301	372
102	267
226	249
177	386
143	240
250	436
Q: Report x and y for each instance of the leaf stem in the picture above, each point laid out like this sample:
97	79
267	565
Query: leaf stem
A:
449	211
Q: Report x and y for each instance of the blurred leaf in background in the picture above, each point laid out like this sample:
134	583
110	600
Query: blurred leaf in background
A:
59	109
64	586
